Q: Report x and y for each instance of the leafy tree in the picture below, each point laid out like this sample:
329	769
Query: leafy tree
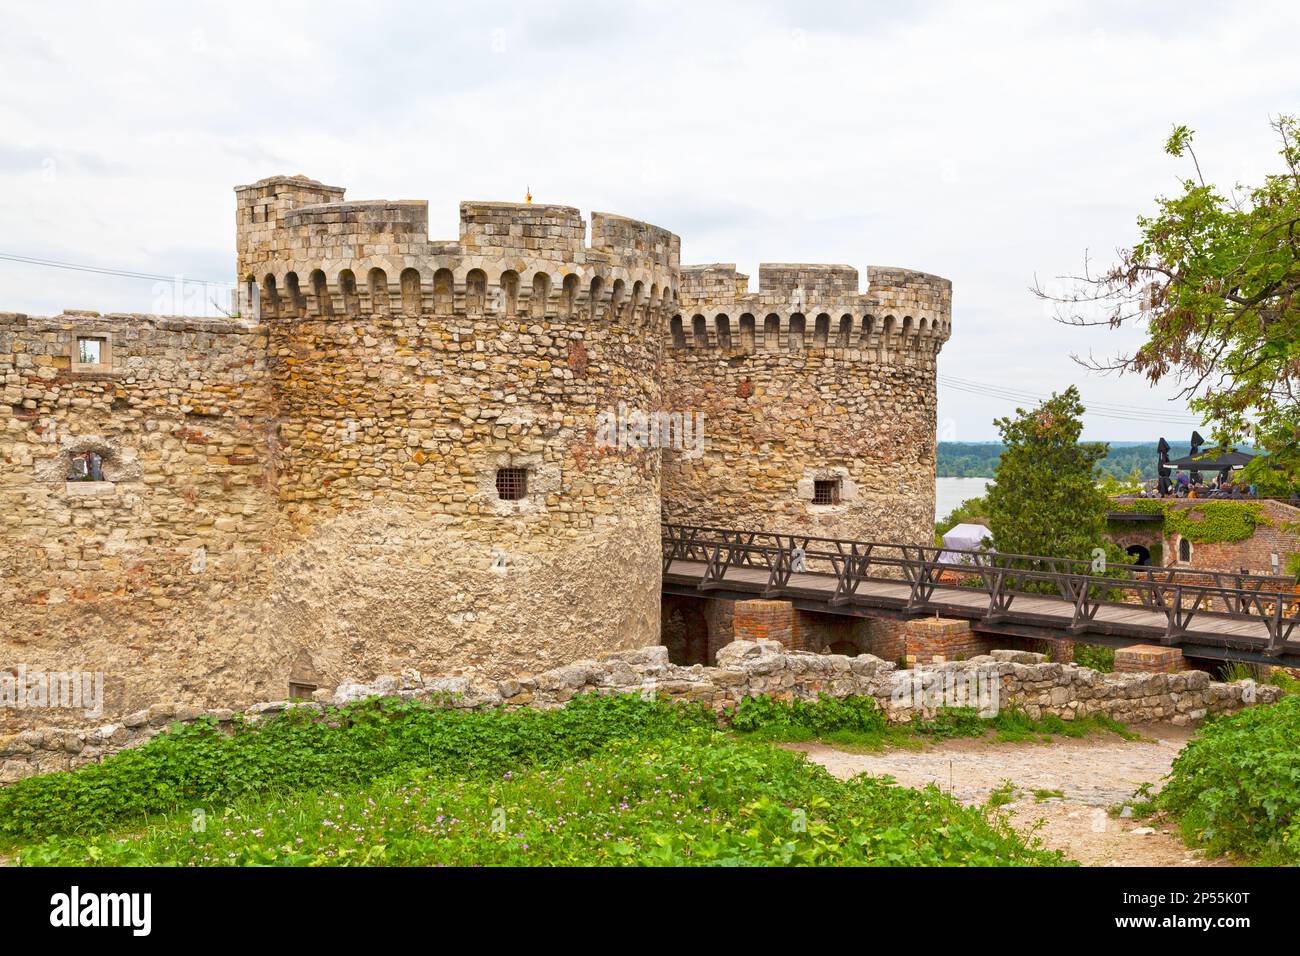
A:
970	511
1214	280
1045	499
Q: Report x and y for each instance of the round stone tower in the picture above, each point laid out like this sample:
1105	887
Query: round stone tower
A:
818	400
445	495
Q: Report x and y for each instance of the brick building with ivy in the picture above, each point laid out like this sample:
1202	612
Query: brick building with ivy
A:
1259	537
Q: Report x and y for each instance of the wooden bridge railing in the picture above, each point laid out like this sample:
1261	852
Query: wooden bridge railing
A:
1181	594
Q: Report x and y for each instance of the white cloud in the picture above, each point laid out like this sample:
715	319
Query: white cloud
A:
989	143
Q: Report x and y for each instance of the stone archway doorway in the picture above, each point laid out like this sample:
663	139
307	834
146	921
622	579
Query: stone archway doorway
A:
1140	554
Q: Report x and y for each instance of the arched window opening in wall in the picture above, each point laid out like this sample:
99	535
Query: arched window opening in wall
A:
909	325
1184	550
320	293
616	295
679	333
570	294
722	328
821	331
868	328
747	332
890	326
798	328
410	282
86	466
348	289
252	305
475	291
540	301
270	297
444	292
293	294
772	331
634	306
509	293
699	332
596	291
378	282
845	338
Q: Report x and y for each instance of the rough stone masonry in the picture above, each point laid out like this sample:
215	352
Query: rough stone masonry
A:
1025	681
388	458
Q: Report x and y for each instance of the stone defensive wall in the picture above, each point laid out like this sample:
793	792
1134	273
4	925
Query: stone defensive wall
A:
1004	679
819	399
387	458
127	570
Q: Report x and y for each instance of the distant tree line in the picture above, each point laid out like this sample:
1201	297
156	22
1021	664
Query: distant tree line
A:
1123	461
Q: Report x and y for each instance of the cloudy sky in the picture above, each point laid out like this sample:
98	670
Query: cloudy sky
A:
987	142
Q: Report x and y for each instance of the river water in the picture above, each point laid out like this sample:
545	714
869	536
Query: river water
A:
950	492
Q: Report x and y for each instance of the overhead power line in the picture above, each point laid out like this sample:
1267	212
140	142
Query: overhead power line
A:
1025	395
101	270
1136	416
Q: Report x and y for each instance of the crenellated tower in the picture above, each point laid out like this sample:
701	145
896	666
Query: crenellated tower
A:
819	399
440	468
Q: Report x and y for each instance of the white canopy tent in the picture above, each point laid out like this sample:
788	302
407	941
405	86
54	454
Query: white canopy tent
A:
964	537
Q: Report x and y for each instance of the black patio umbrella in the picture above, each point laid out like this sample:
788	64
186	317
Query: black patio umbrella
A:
1213	461
1197	442
1162	469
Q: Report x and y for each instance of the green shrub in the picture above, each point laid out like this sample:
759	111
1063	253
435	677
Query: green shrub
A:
1099	657
773	719
951	722
1236	785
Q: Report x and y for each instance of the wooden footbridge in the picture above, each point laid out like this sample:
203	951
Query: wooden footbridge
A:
1205	613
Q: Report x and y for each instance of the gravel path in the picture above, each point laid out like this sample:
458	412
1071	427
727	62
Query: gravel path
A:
1092	774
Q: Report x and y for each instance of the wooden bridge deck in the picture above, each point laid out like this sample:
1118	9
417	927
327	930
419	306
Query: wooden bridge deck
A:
1207	633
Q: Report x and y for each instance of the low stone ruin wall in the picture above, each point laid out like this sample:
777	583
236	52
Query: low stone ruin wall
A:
1003	679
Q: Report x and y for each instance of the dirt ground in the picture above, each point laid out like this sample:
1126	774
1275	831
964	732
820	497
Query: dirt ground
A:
1077	781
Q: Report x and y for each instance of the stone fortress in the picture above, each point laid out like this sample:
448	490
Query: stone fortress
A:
390	457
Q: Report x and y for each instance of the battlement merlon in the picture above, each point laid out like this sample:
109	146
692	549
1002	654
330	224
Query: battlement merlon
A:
810	288
814	280
260	209
716	281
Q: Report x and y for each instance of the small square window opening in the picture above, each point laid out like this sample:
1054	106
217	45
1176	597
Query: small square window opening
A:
512	484
826	491
87	466
90	351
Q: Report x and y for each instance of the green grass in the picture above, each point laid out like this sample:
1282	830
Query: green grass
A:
200	765
611	781
699	798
